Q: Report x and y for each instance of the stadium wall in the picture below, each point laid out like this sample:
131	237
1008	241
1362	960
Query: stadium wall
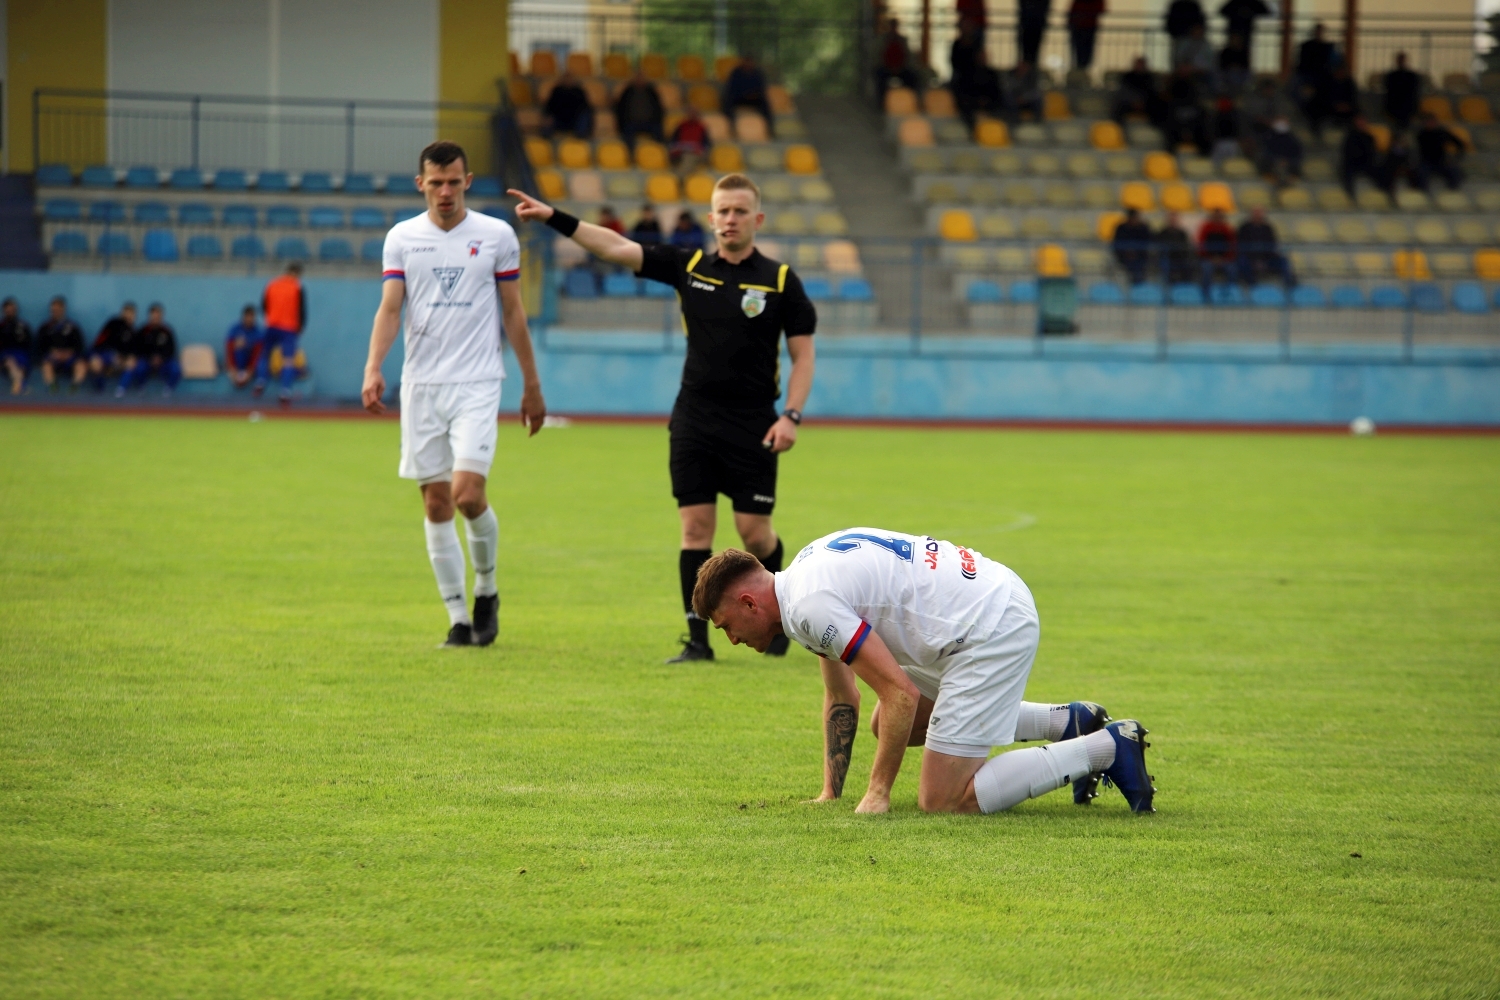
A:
583	377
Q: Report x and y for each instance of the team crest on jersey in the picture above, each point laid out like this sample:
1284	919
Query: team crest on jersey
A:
447	277
474	246
753	302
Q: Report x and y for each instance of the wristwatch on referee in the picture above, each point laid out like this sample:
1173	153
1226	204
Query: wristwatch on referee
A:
795	416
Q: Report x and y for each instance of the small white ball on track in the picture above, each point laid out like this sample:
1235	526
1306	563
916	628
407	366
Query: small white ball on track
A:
1361	427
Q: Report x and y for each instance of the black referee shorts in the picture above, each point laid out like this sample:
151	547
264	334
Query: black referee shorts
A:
716	450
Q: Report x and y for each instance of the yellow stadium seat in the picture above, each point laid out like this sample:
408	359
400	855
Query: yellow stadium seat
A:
1382	134
613	155
726	158
1411	265
586	185
957	225
580	64
551	184
543	63
1439	106
992	133
574	154
1159	166
1107	224
1216	195
915	133
1177	197
1055	106
598	94
671	98
1487	264
1106	135
654	66
1475	110
717	126
938	103
900	101
801	160
841	257
780	100
662	188
699	188
538	151
617	66
1052	262
704	97
690	68
1137	195
520	92
750	127
1462	135
724	65
1295	199
651	156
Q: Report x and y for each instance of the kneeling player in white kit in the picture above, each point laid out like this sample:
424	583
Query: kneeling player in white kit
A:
447	264
946	639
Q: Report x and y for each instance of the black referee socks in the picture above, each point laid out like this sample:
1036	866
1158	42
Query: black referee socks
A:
689	562
772	562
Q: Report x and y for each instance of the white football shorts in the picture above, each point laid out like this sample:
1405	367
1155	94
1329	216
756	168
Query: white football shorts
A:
448	427
979	691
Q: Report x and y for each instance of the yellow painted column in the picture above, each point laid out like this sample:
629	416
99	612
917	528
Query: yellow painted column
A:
473	59
57	43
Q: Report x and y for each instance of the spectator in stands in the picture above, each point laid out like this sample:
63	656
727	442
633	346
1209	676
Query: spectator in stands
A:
1216	249
154	352
1239	20
15	345
1083	29
1228	131
687	234
1132	246
59	346
690	142
1031	28
1182	17
1281	153
746	88
975	86
1193	50
1234	65
1138	95
1437	151
1337	101
1185	119
1358	155
638	111
646	229
112	346
567	109
242	347
1259	255
975	13
1397	165
1023	92
609	220
1403	94
284	305
895	61
1175	252
1315	61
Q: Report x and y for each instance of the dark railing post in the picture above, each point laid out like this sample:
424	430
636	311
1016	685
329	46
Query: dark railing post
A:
348	139
197	101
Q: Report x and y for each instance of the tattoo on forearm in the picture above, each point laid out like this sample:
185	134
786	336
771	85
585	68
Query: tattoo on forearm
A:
843	723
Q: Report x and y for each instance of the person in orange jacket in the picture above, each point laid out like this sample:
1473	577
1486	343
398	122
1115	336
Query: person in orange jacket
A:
284	305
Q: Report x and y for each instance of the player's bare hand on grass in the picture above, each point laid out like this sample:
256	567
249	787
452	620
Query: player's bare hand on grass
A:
781	436
530	209
372	392
533	409
873	803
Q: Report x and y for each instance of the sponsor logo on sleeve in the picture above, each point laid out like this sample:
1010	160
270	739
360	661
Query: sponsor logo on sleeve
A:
932	554
830	635
967	565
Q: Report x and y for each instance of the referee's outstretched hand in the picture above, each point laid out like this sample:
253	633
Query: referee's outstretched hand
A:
529	209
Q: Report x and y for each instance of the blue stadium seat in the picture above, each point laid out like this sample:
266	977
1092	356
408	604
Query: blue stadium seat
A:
856	290
273	180
1226	295
1023	292
402	214
143	177
99	177
54	175
284	216
1428	298
579	284
115	245
240	215
1347	297
204	248
359	184
367	218
1468	297
1146	294
1267	297
656	290
984	293
153	212
1187	295
186	178
195	213
70	243
159	245
817	289
230	180
621	286
325	217
317	182
247	248
335	249
1387	297
372	251
61	208
1309	297
1105	293
486	187
106	211
291	248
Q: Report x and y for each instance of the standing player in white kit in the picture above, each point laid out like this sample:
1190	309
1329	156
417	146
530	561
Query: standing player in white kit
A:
946	638
447	265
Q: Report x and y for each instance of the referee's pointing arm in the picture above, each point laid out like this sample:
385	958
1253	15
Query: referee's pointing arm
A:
603	243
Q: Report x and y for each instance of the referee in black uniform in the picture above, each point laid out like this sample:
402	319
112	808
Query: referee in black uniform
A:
726	433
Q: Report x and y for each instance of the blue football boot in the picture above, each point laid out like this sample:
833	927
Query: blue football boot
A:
1085	717
1128	772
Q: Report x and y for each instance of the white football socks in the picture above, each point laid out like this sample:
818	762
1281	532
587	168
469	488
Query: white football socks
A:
447	558
484	543
1014	777
1041	722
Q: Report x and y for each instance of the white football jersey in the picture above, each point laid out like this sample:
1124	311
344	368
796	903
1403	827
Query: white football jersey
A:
452	304
925	598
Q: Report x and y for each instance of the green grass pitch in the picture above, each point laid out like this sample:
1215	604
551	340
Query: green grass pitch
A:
232	762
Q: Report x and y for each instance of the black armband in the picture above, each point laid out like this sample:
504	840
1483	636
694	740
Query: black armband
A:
563	222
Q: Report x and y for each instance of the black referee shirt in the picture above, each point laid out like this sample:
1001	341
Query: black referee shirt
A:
735	315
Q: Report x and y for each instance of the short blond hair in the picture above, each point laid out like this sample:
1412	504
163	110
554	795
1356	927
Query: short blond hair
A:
738	182
716	576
